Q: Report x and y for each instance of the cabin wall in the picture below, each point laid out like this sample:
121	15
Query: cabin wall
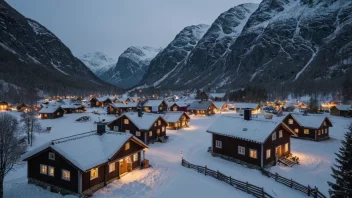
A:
88	183
59	163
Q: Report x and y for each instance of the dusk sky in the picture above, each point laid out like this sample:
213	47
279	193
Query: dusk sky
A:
111	26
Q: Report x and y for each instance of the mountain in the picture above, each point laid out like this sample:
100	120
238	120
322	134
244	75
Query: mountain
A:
32	56
284	44
169	59
98	63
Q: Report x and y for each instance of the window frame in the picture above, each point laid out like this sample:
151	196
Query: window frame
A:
266	153
113	164
92	171
127	146
116	128
273	136
51	156
290	121
49	168
127	131
138	133
280	134
41	170
306	131
135	157
158	131
150	133
218	144
62	175
286	147
251	151
296	130
126	121
159	122
240	149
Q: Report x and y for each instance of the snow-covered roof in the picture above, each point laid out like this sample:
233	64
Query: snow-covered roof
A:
123	105
173	116
310	121
344	107
87	150
143	123
103	98
256	130
152	103
217	95
246	105
49	109
123	99
72	106
180	104
199	105
219	104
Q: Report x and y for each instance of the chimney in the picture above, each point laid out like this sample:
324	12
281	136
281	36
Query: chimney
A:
100	128
247	114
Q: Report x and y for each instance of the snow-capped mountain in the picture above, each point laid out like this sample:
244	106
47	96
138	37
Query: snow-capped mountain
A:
169	59
98	62
282	43
32	55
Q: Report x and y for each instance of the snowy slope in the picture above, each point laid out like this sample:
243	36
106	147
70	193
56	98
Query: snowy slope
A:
98	62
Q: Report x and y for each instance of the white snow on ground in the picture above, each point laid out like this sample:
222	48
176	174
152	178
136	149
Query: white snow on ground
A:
167	178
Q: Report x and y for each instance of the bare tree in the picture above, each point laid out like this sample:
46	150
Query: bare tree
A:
12	146
30	124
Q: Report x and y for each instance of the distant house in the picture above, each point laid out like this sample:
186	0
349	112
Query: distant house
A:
22	107
83	163
177	106
51	112
119	108
100	102
155	106
134	99
177	119
147	127
124	100
202	108
217	96
4	106
239	106
341	110
295	105
220	106
73	108
258	142
309	127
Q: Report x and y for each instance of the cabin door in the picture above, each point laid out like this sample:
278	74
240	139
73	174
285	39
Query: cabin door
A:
123	166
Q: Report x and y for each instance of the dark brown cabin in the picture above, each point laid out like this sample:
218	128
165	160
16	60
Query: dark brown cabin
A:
341	110
22	107
177	119
201	108
257	142
74	171
147	127
4	106
309	127
51	112
179	107
155	106
100	102
120	108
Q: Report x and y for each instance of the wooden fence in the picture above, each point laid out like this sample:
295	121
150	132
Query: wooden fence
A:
294	185
243	186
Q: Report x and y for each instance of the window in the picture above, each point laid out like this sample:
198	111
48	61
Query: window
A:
44	169
290	121
218	144
318	132
268	153
116	128
135	157
51	171
93	173
241	150
150	133
163	129
138	133
97	103
127	146
273	136
159	122
58	113
155	124
51	156
296	130
324	123
127	131
326	131
126	121
111	167
45	115
280	134
253	153
66	175
158	131
306	131
286	147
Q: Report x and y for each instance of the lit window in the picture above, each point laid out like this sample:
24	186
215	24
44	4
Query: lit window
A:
58	113
155	124
218	144
158	131
127	146
306	131
116	128
318	132
66	175
138	133
296	130
326	131
45	115
324	123
126	121
273	136
51	156
286	147
290	121
163	129
268	153
51	171
280	134
93	173
159	122
111	167
150	133
127	131
44	169
135	157
253	153
241	150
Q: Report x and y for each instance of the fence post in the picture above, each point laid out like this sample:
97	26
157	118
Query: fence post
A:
276	176
230	181
316	192
205	170
308	193
247	187
291	183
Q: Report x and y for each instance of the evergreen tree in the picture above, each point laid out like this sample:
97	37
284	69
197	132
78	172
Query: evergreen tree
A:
342	172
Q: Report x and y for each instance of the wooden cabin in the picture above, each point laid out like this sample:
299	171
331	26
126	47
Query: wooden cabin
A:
4	106
341	110
312	127
155	106
217	96
178	106
81	164
201	108
51	112
240	106
124	100
147	127
22	107
257	142
100	102
220	106
73	108
177	119
120	108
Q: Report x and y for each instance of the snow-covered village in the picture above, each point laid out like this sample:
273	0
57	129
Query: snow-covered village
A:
247	98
